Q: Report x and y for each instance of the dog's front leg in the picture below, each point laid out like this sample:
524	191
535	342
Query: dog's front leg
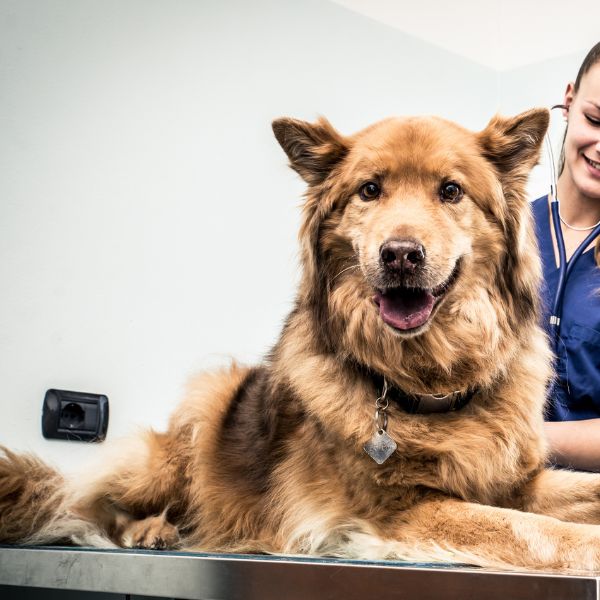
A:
460	531
566	495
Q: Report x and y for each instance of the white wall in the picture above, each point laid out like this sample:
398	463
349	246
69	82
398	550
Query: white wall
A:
147	216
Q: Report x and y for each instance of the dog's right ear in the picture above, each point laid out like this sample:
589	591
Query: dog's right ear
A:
313	148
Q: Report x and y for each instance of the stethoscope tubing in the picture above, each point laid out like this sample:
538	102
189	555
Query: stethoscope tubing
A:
564	268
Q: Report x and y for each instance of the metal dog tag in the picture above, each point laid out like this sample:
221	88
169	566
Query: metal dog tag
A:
380	447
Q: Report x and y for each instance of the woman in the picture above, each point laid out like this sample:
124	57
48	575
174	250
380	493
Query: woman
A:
573	426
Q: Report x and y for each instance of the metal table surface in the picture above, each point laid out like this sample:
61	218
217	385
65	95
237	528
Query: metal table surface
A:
197	576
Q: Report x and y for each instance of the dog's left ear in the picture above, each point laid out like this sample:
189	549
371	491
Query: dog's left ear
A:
313	148
513	144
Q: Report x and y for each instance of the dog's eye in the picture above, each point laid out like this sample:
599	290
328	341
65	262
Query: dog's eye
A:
369	191
451	192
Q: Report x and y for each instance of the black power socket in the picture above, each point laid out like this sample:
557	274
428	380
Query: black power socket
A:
76	416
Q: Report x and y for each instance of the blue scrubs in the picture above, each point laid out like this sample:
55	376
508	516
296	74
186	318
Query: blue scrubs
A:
576	394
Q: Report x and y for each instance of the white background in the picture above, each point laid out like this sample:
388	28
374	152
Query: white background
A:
147	217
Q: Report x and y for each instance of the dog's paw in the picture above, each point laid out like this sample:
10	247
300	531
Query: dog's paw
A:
152	533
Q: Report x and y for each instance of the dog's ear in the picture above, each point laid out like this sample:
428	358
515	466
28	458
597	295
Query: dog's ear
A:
513	144
313	148
513	147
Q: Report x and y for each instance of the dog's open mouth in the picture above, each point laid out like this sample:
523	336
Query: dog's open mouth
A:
407	308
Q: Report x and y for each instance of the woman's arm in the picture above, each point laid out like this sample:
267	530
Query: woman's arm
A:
575	444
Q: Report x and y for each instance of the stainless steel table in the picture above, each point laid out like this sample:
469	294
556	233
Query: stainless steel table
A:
244	577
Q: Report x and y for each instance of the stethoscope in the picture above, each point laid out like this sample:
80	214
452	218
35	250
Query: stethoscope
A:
564	267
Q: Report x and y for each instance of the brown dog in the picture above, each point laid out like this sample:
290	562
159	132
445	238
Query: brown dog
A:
400	413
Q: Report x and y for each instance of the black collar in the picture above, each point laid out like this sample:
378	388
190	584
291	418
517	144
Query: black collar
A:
423	403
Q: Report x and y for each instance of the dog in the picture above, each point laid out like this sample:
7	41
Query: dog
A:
400	413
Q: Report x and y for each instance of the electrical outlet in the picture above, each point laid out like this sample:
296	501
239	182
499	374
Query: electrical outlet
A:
75	416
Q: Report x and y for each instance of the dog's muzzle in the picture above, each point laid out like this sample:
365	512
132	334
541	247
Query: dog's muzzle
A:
404	302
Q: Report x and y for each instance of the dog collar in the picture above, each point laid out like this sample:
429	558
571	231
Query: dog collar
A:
381	446
425	403
430	403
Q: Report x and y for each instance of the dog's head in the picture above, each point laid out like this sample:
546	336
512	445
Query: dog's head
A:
416	226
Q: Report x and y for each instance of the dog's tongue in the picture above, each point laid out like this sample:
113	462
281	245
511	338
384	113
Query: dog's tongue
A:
404	309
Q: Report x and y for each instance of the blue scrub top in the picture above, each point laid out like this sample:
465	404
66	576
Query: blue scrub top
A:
576	393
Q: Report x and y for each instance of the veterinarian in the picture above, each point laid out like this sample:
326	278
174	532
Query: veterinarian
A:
573	420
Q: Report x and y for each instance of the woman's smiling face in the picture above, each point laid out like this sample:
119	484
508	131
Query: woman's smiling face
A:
582	143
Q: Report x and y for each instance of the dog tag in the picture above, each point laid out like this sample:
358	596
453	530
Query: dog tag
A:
380	447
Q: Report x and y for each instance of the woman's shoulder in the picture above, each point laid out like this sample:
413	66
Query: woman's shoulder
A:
539	203
541	218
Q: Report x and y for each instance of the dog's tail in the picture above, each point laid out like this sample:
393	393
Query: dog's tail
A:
36	506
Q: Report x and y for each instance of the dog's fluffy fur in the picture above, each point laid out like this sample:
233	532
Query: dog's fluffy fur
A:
271	458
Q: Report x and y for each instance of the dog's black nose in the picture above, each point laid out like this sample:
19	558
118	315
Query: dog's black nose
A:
402	255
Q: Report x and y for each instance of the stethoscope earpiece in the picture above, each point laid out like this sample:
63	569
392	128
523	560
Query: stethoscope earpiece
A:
564	107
